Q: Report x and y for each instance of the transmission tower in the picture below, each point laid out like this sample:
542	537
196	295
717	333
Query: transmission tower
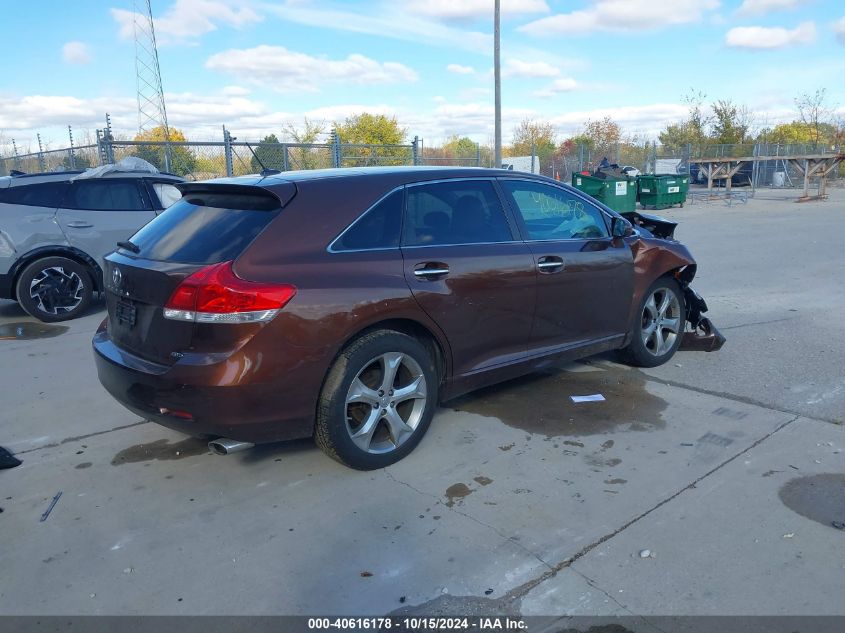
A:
151	110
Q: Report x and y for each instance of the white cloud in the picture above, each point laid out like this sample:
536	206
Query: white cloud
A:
465	119
187	109
761	7
460	70
647	119
185	21
76	53
564	84
621	15
839	29
464	9
763	38
520	68
289	71
31	112
474	93
235	91
389	20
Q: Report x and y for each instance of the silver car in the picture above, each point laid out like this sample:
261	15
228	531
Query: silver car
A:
56	228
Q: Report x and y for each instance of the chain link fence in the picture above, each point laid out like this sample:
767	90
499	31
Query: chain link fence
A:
766	163
214	159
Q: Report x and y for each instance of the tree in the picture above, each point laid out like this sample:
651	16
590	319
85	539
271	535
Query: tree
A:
460	147
798	132
269	153
372	129
79	162
690	131
307	157
731	122
537	136
177	159
815	111
604	135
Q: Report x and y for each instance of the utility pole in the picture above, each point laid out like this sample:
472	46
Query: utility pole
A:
497	75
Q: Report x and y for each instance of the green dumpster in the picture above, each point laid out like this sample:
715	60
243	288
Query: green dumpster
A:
661	191
620	194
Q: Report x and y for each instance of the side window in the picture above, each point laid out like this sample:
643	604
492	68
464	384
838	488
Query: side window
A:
377	228
167	193
106	195
552	213
457	212
45	194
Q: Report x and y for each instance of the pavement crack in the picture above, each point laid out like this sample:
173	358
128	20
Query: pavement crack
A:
407	485
595	586
523	589
736	398
753	323
470	517
507	538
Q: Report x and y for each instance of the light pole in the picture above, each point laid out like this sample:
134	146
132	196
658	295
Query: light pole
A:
497	142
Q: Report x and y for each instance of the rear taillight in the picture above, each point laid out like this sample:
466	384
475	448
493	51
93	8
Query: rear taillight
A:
214	294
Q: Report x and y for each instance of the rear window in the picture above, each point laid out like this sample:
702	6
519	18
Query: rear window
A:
205	228
377	228
45	194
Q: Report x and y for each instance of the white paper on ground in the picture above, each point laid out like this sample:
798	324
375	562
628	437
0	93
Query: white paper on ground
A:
596	397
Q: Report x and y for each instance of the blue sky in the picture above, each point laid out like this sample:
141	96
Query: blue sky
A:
257	65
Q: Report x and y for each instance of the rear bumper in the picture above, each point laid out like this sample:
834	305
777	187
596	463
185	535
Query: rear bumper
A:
256	412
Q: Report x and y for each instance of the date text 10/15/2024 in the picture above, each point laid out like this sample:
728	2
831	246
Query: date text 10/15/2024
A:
419	623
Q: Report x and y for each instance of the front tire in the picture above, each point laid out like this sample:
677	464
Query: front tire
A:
377	401
54	289
658	325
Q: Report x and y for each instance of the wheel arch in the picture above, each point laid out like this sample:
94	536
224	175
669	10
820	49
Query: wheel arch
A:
80	257
416	330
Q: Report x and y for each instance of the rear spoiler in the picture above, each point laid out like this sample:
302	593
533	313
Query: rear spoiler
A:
281	190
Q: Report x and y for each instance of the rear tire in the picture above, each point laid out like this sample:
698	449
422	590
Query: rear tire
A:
658	325
377	401
54	289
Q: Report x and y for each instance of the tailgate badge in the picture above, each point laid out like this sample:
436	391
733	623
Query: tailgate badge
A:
116	278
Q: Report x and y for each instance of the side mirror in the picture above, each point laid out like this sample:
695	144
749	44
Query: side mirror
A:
620	227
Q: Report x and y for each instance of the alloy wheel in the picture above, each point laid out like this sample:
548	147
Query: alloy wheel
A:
56	290
661	321
385	402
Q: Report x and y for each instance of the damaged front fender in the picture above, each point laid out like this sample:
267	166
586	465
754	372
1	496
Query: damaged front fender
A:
655	257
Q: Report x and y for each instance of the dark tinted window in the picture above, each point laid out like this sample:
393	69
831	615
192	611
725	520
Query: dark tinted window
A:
106	195
45	194
377	228
458	212
205	228
553	213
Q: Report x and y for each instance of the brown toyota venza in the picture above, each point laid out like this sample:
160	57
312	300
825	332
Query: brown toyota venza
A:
346	304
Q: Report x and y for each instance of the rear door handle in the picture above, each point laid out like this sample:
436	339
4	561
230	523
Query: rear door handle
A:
79	224
550	264
430	271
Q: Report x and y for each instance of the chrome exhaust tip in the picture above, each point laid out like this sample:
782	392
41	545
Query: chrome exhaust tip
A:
225	446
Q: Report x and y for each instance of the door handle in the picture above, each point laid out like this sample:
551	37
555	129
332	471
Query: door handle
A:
79	224
429	271
550	264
